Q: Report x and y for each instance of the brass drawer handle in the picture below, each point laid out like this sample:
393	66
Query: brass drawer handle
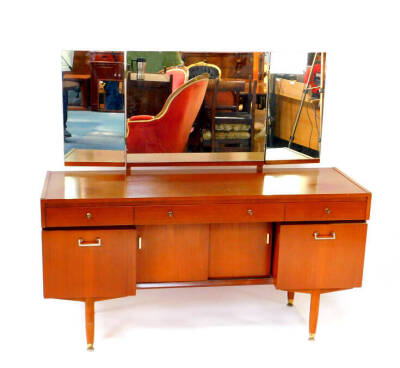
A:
83	243
170	213
327	210
88	215
250	212
332	236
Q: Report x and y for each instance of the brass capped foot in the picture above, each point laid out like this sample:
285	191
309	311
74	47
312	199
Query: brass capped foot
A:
312	337
90	347
290	303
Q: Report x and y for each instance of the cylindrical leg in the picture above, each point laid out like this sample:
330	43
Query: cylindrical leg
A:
89	314
314	308
290	298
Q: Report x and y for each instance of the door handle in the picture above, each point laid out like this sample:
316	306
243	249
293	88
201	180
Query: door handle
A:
83	243
332	236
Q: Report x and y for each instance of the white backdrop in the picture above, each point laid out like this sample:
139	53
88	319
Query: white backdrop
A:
205	327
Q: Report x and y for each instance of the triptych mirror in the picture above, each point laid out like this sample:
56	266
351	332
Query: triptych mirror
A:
159	107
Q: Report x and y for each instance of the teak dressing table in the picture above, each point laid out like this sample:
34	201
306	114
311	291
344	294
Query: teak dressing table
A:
107	233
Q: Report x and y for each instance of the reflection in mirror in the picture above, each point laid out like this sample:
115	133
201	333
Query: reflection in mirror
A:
195	106
295	106
93	107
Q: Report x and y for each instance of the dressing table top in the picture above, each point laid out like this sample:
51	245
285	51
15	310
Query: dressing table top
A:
162	187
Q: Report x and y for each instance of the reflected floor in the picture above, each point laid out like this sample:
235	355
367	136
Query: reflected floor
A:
95	130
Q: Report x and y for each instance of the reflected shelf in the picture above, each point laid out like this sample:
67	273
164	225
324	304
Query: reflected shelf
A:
94	157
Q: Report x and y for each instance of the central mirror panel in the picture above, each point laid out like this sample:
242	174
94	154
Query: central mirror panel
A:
195	106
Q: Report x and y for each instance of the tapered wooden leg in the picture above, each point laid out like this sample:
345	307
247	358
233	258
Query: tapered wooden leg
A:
314	308
290	298
89	314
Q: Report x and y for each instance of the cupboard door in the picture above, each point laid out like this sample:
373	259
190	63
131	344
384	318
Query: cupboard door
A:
240	250
170	253
81	264
319	256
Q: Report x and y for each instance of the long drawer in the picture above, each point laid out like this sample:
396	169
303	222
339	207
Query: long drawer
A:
325	211
216	213
88	216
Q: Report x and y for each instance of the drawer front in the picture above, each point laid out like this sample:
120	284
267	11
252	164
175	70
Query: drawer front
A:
319	256
88	216
325	211
89	263
216	213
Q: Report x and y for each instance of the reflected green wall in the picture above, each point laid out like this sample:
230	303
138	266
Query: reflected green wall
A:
155	60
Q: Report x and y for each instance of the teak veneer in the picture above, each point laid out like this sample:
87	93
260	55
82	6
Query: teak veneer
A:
106	233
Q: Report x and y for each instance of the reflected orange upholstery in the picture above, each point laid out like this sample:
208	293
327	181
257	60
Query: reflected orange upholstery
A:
169	130
179	76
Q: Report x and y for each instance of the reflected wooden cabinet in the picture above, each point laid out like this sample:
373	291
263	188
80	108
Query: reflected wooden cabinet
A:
146	97
232	65
117	233
89	68
105	71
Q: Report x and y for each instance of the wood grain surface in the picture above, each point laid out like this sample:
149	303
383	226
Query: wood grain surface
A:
289	185
302	262
173	253
240	250
72	271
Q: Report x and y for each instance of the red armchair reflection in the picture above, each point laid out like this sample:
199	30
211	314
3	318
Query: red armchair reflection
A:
169	130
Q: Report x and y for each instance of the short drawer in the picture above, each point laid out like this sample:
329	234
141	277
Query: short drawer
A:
216	213
95	263
319	256
325	211
88	216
